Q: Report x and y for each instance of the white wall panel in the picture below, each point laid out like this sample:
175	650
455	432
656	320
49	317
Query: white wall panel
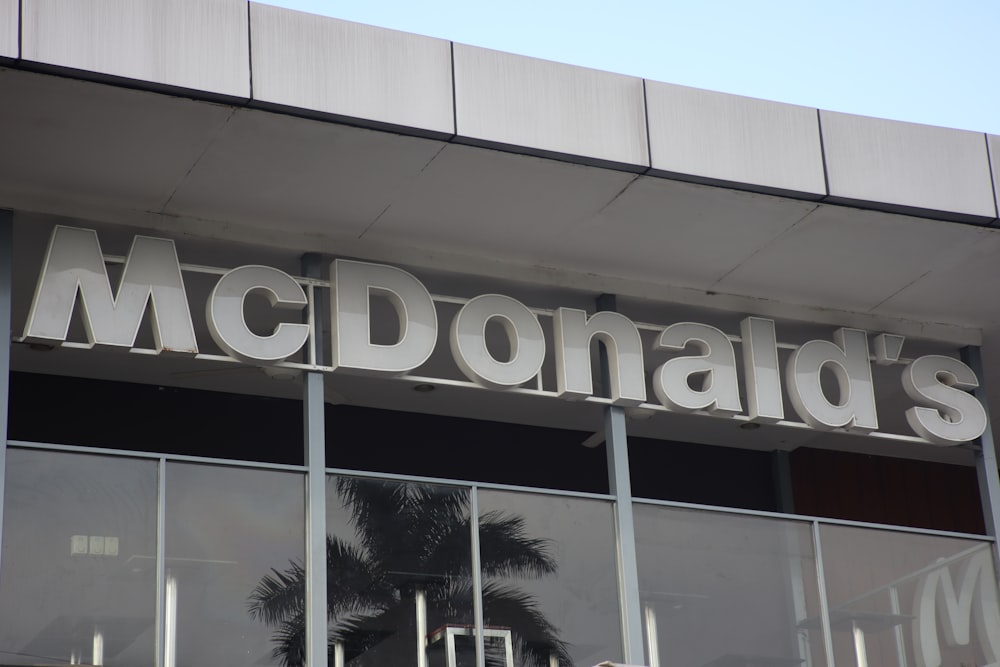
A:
907	165
722	137
993	143
8	28
351	69
547	106
198	44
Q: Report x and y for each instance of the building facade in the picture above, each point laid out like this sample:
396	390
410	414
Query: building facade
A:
337	345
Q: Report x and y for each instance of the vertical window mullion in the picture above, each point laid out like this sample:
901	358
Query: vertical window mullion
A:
161	620
6	271
986	456
314	432
477	580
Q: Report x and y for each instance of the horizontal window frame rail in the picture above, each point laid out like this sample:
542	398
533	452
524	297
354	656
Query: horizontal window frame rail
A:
155	456
466	484
492	486
807	518
344	472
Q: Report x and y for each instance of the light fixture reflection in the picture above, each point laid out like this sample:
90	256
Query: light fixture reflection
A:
170	629
420	598
98	652
652	634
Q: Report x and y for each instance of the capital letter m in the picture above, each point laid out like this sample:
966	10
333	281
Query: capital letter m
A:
956	610
74	264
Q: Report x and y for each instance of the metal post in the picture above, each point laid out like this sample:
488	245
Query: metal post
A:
6	260
477	581
620	485
986	456
315	459
161	563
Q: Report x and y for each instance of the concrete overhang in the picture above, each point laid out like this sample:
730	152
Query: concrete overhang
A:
363	142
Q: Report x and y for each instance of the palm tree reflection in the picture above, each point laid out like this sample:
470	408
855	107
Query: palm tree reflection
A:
408	570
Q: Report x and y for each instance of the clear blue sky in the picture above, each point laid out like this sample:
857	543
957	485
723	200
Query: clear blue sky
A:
915	60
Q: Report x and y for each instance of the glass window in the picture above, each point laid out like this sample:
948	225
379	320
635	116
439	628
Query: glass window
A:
907	599
549	578
227	531
78	579
399	562
727	590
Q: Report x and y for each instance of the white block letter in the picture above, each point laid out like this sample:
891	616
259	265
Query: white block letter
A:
760	365
74	264
524	333
714	370
227	323
354	283
573	333
946	415
975	599
848	359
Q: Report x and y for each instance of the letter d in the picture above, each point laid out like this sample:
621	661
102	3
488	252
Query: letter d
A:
353	284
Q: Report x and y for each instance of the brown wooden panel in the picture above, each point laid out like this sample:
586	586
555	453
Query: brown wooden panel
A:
879	489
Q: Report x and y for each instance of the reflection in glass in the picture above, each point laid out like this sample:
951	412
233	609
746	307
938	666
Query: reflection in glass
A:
726	590
226	528
399	567
398	561
399	558
561	550
907	599
78	581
